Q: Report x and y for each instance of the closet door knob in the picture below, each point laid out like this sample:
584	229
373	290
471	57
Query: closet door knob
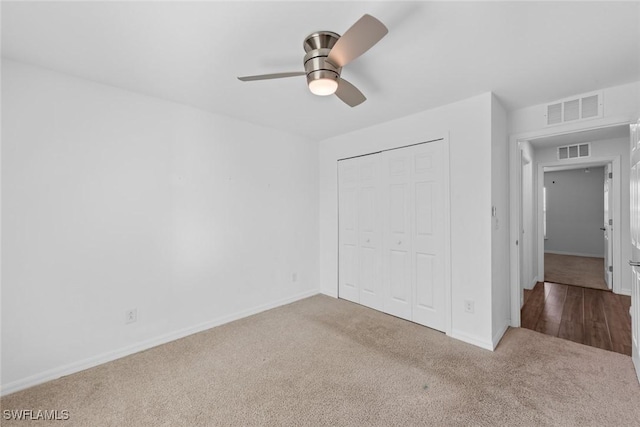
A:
368	240
399	242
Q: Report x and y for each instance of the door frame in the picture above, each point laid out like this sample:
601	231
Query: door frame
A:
617	214
608	200
525	160
635	282
515	179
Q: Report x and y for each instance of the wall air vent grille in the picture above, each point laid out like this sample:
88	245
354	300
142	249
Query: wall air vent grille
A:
554	114
590	106
574	151
571	110
574	109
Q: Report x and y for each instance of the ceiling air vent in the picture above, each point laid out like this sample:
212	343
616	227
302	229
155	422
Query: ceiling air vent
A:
574	109
573	151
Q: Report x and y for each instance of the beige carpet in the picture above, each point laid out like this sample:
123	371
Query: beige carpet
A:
574	270
323	361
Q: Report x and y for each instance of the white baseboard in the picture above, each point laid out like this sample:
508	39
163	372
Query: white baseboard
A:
499	334
635	351
329	292
574	254
533	283
478	342
636	362
91	362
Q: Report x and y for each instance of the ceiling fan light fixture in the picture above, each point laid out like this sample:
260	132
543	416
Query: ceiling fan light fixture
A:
323	86
323	82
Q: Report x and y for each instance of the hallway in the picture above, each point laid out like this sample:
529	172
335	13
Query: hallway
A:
592	317
587	272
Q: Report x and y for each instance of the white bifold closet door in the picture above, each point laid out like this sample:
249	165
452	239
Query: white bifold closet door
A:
360	236
393	232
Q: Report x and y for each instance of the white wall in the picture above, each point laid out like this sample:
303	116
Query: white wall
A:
114	200
575	212
606	148
468	125
500	226
618	102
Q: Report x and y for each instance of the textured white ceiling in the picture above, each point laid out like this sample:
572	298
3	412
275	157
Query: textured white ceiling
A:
435	53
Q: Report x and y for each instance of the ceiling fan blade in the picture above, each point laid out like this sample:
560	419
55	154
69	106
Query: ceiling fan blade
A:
271	76
366	32
349	94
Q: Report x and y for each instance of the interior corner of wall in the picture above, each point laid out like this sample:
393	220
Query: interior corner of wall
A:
329	292
472	339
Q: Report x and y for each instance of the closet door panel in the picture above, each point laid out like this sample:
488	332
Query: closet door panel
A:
428	234
348	259
424	275
396	231
369	232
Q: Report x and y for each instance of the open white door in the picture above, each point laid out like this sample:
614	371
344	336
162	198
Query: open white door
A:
607	227
635	244
522	244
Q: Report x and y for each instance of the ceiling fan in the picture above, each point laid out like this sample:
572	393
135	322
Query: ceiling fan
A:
326	54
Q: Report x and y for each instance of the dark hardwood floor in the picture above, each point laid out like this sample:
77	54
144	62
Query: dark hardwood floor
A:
588	316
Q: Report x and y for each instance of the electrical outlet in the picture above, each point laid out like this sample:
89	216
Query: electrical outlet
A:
294	277
130	316
468	306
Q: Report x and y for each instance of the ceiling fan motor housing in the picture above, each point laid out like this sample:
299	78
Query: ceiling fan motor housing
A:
318	45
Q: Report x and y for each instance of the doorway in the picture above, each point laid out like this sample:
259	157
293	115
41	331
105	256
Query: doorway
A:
563	307
576	231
